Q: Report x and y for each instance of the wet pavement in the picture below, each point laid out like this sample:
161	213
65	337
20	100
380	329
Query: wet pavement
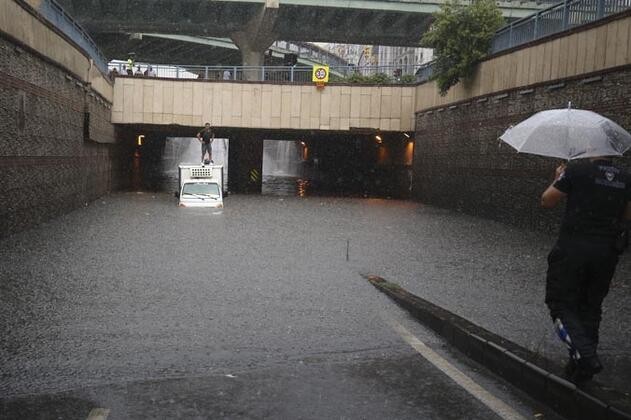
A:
154	311
494	275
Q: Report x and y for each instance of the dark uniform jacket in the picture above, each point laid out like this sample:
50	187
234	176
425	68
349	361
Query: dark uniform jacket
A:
597	194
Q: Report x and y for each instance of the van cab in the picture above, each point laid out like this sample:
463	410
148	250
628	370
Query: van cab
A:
200	186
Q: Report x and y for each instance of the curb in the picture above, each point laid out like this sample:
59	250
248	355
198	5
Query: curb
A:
517	365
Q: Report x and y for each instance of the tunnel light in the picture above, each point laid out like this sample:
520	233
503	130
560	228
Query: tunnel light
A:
406	135
141	139
379	139
303	143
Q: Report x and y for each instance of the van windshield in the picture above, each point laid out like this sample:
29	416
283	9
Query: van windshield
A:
201	188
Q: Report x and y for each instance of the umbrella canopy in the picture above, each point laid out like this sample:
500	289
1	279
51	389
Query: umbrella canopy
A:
568	134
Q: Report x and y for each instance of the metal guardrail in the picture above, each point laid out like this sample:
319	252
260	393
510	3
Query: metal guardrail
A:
555	19
295	74
54	13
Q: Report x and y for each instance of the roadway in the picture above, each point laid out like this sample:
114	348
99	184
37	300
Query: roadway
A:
141	309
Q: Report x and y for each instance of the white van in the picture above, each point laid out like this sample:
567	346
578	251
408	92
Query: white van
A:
200	186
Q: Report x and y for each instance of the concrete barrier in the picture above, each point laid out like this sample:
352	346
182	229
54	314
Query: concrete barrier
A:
515	364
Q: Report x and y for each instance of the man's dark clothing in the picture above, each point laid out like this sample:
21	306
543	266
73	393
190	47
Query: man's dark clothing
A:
583	261
597	195
207	139
207	135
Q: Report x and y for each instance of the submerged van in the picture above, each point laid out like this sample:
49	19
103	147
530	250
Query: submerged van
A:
200	186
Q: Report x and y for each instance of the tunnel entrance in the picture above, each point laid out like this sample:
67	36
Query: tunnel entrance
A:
361	165
284	167
288	163
155	161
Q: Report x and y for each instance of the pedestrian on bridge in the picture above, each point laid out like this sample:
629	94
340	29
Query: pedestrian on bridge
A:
206	136
130	66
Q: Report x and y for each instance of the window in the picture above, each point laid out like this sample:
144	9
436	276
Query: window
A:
201	188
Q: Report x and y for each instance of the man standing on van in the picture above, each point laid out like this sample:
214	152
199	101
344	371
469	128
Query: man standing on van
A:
584	258
206	137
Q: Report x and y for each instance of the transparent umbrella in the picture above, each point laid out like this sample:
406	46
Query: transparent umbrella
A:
568	134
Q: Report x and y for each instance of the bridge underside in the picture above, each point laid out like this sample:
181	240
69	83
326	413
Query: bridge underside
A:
222	18
254	25
400	23
185	50
163	50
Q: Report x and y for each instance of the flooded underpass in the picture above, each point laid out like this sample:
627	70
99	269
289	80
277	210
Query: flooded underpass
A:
340	166
155	162
259	309
135	305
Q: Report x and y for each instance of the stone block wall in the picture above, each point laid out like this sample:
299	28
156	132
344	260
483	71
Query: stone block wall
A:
50	161
459	163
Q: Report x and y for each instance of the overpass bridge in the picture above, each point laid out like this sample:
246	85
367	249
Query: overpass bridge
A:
50	84
379	22
260	106
254	25
206	51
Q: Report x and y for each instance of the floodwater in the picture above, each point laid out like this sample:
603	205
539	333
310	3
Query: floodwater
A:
154	311
260	310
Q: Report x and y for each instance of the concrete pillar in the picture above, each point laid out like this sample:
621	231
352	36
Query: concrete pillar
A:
256	37
252	55
245	164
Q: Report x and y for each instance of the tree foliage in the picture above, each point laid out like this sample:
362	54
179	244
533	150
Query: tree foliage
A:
373	79
460	36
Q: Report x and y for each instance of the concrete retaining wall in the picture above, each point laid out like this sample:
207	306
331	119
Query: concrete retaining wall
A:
599	46
56	150
458	161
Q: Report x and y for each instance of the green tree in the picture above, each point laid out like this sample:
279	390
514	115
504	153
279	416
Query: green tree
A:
461	36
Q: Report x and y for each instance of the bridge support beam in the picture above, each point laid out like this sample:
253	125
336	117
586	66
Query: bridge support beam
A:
245	164
256	38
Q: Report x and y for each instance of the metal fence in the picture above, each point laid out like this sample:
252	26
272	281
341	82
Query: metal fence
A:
53	12
289	74
555	19
558	18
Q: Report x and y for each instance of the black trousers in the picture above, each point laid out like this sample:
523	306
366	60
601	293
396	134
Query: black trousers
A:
578	279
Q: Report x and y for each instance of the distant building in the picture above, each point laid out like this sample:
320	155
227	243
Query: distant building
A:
353	53
405	59
398	60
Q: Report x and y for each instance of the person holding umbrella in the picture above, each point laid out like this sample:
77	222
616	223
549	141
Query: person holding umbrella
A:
598	202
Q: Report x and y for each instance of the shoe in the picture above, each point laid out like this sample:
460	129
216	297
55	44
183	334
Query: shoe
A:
583	370
570	368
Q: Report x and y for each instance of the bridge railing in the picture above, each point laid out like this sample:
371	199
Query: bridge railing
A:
558	18
274	74
54	13
555	19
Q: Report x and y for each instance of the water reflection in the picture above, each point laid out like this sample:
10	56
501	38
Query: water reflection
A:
302	187
136	172
284	186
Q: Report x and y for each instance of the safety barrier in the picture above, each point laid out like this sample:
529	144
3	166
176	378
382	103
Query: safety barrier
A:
276	74
555	19
56	15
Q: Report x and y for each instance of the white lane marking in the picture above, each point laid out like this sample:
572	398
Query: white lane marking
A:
98	414
498	406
